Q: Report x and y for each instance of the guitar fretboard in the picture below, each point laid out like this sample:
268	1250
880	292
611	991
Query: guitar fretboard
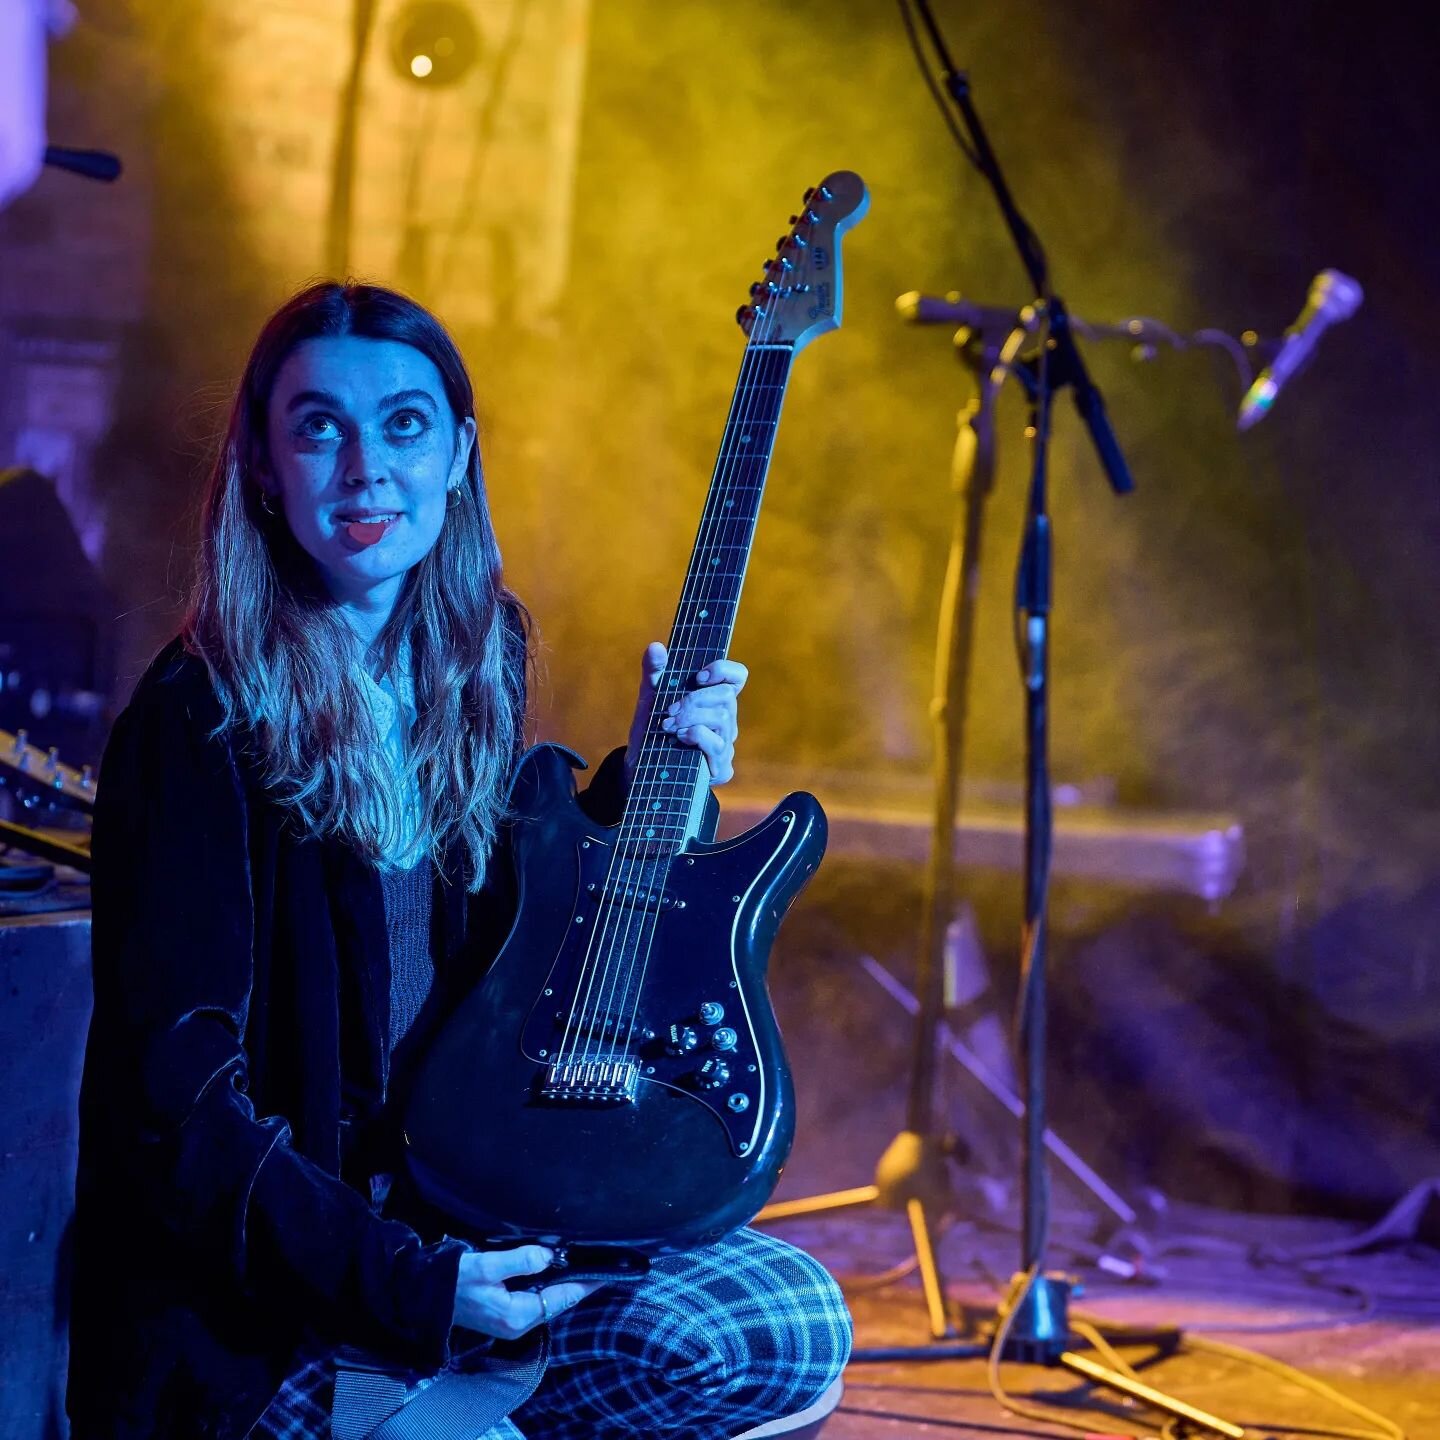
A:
668	774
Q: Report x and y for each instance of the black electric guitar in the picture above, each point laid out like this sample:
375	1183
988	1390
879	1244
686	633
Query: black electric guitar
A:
618	1078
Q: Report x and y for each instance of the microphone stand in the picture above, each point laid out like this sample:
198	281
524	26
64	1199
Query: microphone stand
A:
913	1173
1033	1321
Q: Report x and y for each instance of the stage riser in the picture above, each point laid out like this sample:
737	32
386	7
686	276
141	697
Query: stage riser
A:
44	1014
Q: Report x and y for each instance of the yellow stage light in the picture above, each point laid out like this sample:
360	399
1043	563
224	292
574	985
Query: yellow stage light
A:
434	42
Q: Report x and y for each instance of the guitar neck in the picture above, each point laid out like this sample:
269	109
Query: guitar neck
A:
671	780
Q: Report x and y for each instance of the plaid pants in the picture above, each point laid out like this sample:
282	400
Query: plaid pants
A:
709	1344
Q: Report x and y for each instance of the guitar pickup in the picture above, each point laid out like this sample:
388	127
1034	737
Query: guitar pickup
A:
636	897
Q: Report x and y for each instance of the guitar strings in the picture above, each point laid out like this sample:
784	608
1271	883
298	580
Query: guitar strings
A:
628	868
626	852
688	631
631	867
720	530
646	872
766	356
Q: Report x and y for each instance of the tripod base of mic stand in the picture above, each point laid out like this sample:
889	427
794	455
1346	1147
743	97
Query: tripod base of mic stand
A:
912	1177
1039	1334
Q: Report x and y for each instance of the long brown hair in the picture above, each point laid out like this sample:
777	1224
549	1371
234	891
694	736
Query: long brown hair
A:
283	659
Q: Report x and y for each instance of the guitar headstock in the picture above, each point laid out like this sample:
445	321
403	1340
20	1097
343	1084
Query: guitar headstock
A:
799	298
40	779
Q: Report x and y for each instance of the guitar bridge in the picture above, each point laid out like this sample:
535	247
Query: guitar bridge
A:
605	1080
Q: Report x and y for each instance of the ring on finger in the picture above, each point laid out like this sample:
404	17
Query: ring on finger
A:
544	1308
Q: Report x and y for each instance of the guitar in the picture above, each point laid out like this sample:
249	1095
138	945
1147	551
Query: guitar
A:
617	1080
42	785
40	779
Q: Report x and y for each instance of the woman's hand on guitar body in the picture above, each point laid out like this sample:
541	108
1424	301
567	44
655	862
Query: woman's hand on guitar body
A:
705	716
483	1303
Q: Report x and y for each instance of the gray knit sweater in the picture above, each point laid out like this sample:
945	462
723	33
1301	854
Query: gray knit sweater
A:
408	896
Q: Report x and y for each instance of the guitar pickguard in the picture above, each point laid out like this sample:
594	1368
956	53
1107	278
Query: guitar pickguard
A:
608	1021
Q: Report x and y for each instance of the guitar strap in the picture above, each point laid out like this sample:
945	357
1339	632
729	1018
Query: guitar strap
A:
461	1404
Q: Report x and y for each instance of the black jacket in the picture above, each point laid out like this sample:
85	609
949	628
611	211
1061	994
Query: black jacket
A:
239	1039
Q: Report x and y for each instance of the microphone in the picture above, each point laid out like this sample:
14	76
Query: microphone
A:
1333	297
92	164
954	310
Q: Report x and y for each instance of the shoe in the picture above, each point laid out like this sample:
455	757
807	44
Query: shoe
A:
804	1423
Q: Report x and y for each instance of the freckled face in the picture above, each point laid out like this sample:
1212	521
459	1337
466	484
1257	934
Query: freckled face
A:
361	435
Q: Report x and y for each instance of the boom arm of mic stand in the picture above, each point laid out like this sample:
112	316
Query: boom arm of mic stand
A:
1088	401
1142	333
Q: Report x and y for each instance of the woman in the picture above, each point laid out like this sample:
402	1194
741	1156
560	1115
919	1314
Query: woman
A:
300	863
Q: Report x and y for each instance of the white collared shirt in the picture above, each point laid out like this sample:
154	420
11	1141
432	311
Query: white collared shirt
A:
393	706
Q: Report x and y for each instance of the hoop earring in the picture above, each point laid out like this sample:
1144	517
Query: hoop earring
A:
267	506
453	497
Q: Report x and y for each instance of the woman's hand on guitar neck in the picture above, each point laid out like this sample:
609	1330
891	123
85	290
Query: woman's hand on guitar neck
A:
705	716
483	1303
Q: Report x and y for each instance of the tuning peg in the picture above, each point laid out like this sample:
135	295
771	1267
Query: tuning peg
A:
22	739
824	192
781	243
87	776
806	196
52	759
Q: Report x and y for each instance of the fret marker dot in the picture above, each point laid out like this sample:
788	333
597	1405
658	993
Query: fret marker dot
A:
714	559
704	614
729	504
744	439
664	774
656	805
649	834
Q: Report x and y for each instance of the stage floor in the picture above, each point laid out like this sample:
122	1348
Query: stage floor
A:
1366	1324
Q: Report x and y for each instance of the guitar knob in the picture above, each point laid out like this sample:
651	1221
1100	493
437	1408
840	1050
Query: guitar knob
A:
724	1038
713	1074
681	1040
712	1012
